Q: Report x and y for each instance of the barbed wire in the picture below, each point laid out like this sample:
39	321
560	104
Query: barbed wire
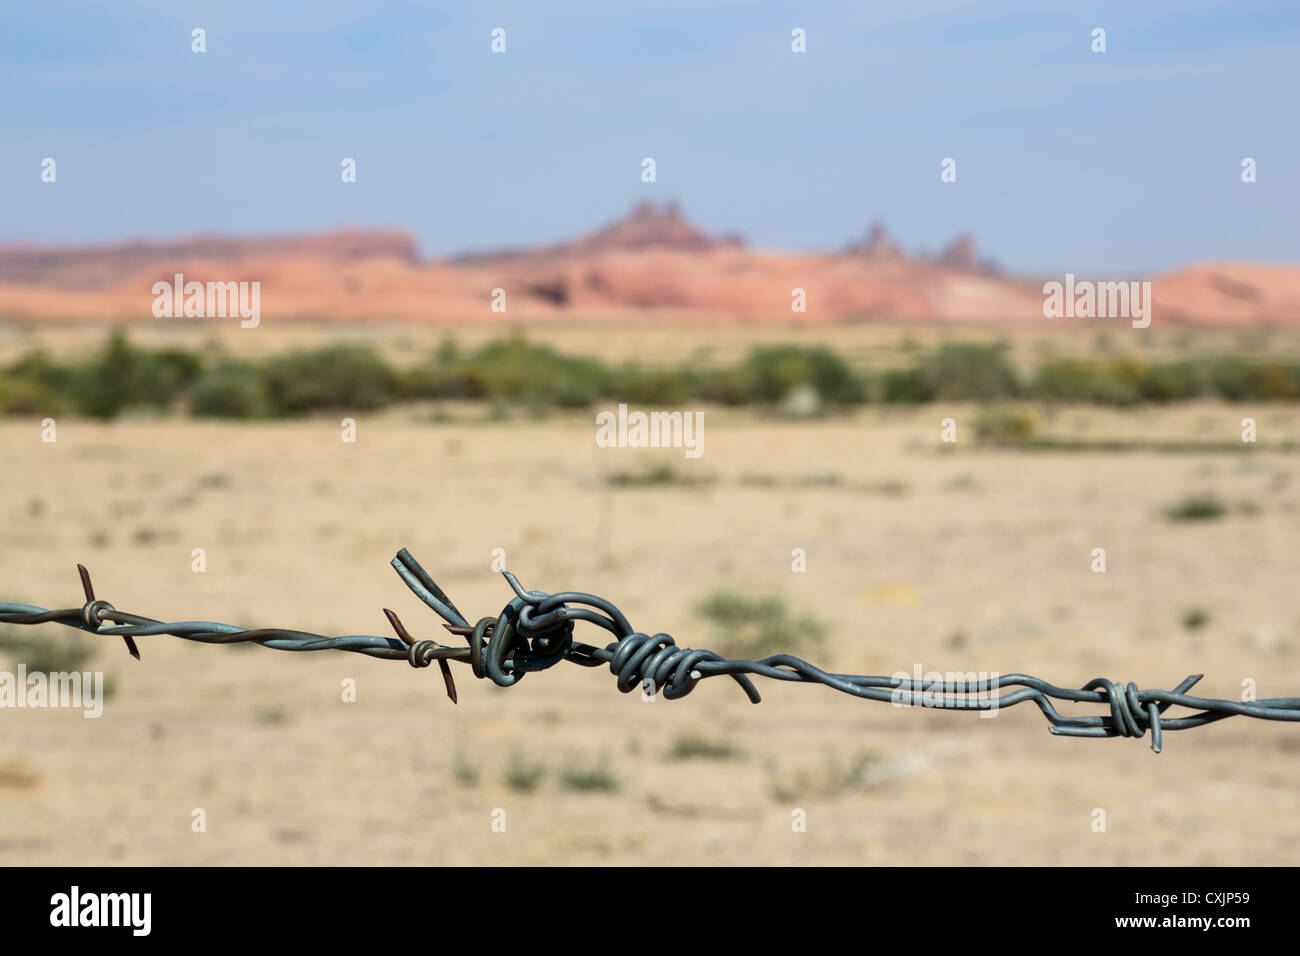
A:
534	631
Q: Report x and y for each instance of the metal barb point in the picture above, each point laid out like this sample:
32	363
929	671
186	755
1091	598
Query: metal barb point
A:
89	590
443	666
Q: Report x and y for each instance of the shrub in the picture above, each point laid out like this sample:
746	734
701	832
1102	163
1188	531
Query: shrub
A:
908	385
1197	508
122	376
755	627
1175	381
693	746
47	654
26	396
516	371
441	377
774	371
1238	379
1005	427
334	377
523	775
727	386
967	371
228	391
589	777
33	385
657	476
1112	382
636	384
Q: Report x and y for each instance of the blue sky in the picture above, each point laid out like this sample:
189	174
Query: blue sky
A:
1067	160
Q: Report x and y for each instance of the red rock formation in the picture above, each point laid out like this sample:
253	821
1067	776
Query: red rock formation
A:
80	266
651	263
878	245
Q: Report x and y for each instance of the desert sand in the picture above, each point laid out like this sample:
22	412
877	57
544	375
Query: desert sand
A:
953	559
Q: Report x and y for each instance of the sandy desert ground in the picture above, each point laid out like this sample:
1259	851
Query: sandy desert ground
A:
958	559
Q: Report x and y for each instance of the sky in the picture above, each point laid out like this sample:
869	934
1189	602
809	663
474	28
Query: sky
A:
1126	161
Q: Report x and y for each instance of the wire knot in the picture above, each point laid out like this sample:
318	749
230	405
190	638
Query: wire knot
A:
519	640
1129	717
420	654
640	660
93	613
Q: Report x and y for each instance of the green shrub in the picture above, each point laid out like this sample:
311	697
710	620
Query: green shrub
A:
464	770
657	476
122	376
727	386
1173	382
228	391
523	775
26	396
967	371
774	371
636	384
517	372
1238	379
906	385
1005	427
694	746
834	778
101	387
335	377
584	778
1103	382
441	377
49	654
755	627
1197	508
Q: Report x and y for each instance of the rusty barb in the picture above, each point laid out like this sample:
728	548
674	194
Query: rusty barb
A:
534	632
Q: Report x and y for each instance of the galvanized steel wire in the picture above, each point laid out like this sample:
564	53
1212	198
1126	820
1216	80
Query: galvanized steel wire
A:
534	631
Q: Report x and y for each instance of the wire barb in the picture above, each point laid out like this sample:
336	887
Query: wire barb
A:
534	632
94	610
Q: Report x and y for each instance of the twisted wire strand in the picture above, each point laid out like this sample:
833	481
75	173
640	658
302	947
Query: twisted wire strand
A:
534	631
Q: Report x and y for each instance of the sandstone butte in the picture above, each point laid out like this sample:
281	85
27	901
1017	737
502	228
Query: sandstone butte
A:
651	265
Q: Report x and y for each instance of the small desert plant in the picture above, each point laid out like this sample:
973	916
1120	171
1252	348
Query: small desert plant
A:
228	391
1005	427
694	746
464	771
835	777
1201	507
523	775
273	716
48	654
657	476
589	777
755	627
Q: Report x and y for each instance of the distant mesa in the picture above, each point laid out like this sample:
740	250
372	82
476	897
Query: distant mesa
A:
650	227
644	228
35	263
960	254
877	245
652	261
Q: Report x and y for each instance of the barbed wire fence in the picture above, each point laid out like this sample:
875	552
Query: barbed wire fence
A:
534	632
